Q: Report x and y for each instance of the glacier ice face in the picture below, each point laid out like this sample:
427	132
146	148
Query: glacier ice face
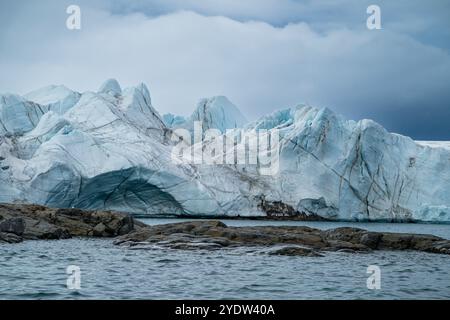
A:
112	150
173	121
435	144
358	169
218	113
112	87
18	115
213	113
58	99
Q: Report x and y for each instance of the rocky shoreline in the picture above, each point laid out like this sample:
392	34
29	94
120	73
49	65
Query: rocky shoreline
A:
281	240
32	222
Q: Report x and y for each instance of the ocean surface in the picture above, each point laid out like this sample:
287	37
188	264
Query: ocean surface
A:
37	270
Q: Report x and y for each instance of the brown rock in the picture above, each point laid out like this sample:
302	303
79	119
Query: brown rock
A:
371	239
10	238
28	222
13	225
339	245
38	222
99	230
396	241
199	234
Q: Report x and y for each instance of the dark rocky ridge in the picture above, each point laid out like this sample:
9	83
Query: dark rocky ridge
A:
295	240
32	222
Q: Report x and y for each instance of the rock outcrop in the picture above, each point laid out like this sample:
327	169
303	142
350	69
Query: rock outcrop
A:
32	222
294	240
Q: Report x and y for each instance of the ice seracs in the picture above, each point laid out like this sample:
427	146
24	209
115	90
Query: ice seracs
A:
173	121
18	115
435	144
112	150
111	86
218	113
357	170
58	99
213	113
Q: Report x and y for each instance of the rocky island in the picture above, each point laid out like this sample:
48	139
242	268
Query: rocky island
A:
285	240
32	222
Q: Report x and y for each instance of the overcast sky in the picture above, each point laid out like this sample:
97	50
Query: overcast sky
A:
262	54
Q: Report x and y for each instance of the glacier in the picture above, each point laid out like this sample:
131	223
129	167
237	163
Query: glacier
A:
214	113
112	150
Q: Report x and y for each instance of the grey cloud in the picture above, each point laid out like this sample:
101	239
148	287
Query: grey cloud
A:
330	59
426	20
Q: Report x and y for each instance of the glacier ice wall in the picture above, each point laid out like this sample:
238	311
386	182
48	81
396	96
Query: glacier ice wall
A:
111	149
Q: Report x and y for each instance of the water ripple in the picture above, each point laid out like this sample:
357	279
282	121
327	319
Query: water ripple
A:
37	270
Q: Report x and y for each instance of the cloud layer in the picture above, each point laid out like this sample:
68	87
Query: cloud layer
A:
262	59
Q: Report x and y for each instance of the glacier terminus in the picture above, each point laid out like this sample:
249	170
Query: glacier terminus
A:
111	150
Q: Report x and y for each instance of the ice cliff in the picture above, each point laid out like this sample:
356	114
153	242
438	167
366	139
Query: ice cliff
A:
111	149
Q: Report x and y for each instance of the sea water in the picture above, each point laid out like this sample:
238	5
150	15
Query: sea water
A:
38	270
